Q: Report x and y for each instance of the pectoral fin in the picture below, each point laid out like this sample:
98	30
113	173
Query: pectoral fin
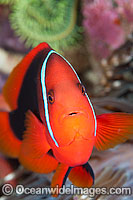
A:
34	137
33	152
113	129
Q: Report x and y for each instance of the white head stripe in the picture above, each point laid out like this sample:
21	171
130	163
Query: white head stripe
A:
44	92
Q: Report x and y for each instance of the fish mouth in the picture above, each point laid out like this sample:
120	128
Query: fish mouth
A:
72	113
65	119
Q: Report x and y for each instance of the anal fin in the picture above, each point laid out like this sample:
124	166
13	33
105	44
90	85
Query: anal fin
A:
82	176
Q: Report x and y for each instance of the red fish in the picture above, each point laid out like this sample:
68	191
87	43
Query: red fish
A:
52	124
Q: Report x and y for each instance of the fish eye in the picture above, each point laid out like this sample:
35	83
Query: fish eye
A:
51	96
82	88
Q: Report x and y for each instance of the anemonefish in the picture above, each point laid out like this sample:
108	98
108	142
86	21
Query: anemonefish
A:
52	123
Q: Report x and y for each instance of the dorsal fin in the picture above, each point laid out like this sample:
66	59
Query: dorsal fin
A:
15	80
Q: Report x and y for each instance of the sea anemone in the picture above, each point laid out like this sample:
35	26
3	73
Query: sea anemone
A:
51	21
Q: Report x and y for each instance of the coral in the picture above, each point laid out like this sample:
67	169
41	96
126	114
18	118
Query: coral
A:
51	21
102	23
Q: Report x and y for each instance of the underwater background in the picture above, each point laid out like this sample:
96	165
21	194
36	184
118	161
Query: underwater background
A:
96	37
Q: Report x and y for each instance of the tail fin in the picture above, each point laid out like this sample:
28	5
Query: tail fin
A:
9	144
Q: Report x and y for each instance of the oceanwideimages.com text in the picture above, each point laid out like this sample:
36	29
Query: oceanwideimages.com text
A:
8	189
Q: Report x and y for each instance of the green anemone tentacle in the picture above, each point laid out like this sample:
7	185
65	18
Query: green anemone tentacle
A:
7	1
53	21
